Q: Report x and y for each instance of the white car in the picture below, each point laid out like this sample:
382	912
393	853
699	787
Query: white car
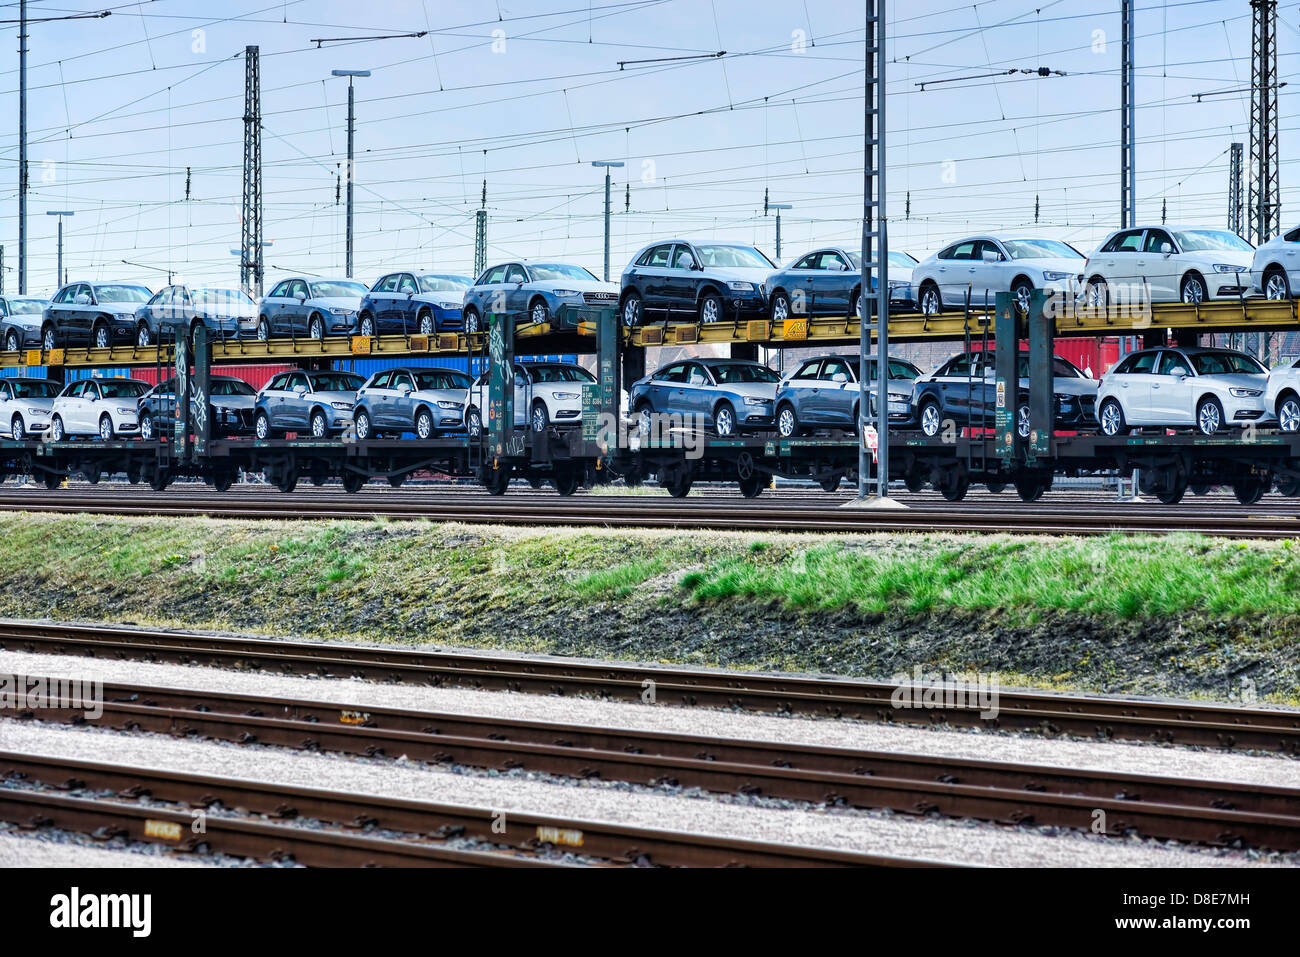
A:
1207	389
1283	396
1275	270
987	265
25	406
106	408
1168	264
546	393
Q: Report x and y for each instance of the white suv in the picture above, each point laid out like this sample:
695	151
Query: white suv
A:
1208	389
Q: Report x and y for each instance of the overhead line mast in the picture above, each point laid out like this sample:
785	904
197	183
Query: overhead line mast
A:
250	254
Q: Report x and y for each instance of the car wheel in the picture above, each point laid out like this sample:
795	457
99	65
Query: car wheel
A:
103	337
471	321
1023	293
631	311
787	423
49	341
1022	420
1192	289
363	425
711	307
316	328
780	307
105	427
18	429
56	430
427	327
473	423
931	301
644	420
1288	413
1111	418
724	420
142	336
1276	285
538	313
262	426
146	427
424	424
540	420
857	304
263	330
366	326
1097	294
931	418
11	341
1209	416
319	426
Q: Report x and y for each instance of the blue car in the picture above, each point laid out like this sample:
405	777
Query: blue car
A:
534	292
696	281
318	404
413	302
20	321
224	312
828	282
311	307
728	395
824	391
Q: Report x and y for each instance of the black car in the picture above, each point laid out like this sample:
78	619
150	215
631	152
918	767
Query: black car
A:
696	281
98	314
230	405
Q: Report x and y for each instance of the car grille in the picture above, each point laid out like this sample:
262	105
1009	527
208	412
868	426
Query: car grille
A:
600	298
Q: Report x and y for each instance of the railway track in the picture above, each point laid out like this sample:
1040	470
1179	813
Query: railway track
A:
418	833
780	514
1204	812
1200	724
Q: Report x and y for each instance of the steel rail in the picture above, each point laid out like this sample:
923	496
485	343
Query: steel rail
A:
1157	807
533	834
1163	721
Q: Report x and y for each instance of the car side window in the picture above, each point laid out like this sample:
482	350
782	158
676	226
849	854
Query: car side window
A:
809	370
1293	236
1144	362
382	380
962	366
280	383
1171	363
299	381
387	284
402	380
516	273
987	246
495	275
1158	241
808	262
1129	242
4	392
407	284
834	367
656	256
300	289
696	375
964	251
680	255
834	262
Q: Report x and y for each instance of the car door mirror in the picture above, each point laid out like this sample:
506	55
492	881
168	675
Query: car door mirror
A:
301	297
686	262
840	377
82	299
991	256
410	294
300	390
406	391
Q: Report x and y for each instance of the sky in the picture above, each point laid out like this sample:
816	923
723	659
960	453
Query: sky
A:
125	110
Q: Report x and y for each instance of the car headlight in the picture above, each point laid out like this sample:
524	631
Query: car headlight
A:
754	400
342	406
898	284
739	286
1055	276
1245	393
565	293
1225	267
125	317
344	312
899	397
566	395
447	404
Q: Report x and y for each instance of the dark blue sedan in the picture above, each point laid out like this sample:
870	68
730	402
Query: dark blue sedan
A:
414	302
828	282
695	281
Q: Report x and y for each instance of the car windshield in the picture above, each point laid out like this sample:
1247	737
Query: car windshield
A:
1211	240
33	389
729	373
1041	249
116	293
441	379
732	257
122	388
230	387
445	283
221	297
560	374
902	259
336	382
1061	368
1225	363
338	290
26	307
551	271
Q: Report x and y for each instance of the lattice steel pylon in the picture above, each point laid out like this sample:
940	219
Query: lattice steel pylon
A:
1265	208
1236	189
480	235
250	243
1127	135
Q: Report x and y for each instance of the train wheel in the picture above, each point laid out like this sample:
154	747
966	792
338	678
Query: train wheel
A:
997	488
954	484
914	478
1199	489
830	484
680	485
159	481
396	480
353	481
752	485
566	481
1250	490
286	480
1030	488
1290	487
53	480
496	481
222	479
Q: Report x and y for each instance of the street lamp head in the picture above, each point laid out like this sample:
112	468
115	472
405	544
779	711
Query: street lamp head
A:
780	206
349	72
606	162
59	212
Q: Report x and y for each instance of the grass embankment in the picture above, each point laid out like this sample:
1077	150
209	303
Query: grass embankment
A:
1181	614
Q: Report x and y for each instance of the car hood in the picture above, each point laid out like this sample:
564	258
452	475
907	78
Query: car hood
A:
22	321
582	285
442	395
1071	385
743	274
1069	266
443	300
234	401
1238	380
1226	257
347	396
35	403
758	390
337	302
